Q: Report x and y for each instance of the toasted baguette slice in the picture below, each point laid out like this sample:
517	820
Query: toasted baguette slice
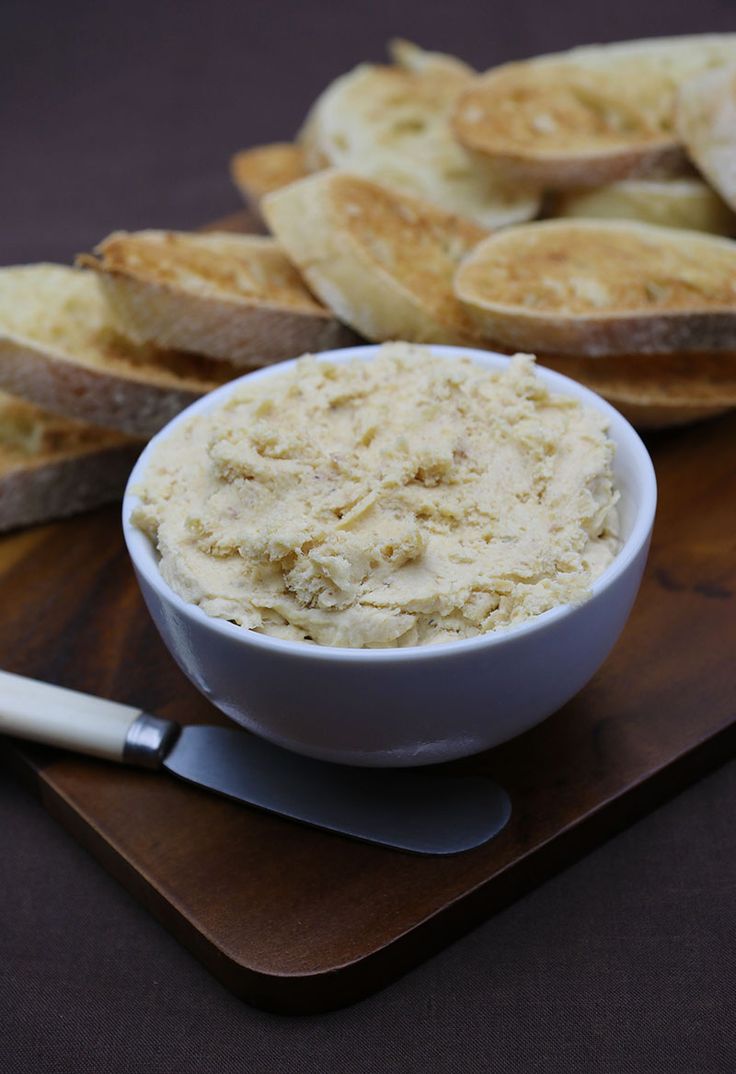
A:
602	287
590	116
226	296
657	390
684	203
28	428
706	123
59	348
391	124
51	467
258	171
383	261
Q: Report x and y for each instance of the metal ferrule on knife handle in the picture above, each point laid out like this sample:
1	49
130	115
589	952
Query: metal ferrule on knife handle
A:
148	740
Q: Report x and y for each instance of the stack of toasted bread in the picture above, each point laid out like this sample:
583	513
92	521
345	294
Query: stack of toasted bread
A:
578	205
581	206
95	359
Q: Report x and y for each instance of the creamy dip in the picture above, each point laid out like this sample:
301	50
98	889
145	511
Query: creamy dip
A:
404	500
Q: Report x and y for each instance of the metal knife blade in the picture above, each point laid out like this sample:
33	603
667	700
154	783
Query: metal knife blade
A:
425	813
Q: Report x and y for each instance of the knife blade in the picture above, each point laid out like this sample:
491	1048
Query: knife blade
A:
420	812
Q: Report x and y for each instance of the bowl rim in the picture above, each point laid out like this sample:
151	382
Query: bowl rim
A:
143	554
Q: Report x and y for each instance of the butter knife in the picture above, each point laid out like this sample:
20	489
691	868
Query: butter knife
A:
420	812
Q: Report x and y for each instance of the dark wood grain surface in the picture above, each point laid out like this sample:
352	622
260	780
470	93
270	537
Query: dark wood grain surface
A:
299	920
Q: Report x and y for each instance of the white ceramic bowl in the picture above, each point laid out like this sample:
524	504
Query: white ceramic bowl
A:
416	705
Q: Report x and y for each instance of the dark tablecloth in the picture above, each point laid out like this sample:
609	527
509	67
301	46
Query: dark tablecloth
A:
124	116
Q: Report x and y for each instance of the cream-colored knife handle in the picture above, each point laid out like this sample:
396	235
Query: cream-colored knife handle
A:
74	721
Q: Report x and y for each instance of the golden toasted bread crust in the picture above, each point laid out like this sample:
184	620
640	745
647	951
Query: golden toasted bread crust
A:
391	124
597	288
247	270
62	481
686	203
28	428
587	117
59	348
108	395
657	390
232	297
258	171
706	123
383	261
412	57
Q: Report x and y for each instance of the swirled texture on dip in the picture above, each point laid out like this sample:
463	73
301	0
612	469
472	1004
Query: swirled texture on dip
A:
400	501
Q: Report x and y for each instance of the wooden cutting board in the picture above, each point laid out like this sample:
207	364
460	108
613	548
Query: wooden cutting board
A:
298	920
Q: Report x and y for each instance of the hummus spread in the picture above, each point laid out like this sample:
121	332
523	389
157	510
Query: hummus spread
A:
401	501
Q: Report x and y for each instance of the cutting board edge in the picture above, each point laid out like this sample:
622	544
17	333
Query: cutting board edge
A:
331	988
